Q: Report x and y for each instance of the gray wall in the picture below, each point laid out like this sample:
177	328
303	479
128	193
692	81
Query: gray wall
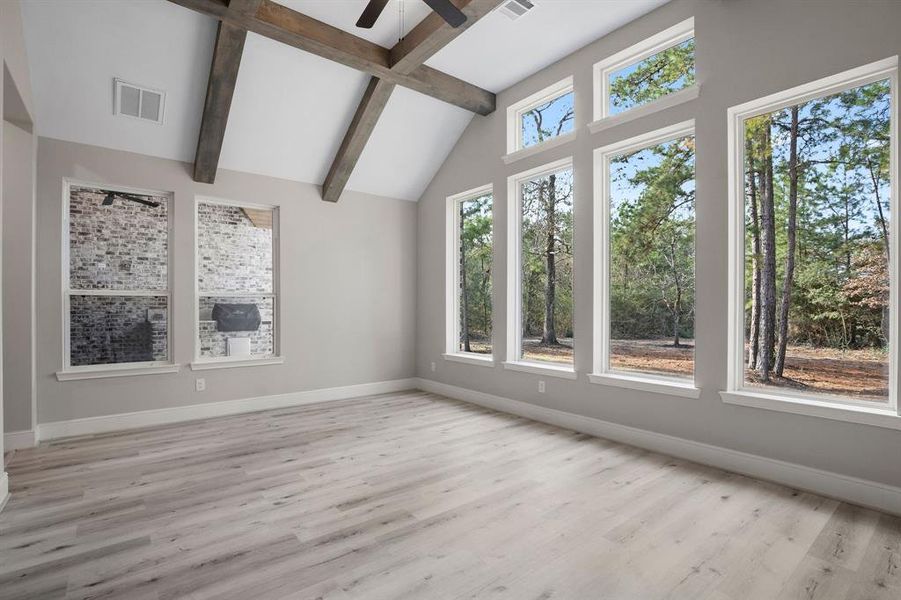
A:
347	287
18	225
745	50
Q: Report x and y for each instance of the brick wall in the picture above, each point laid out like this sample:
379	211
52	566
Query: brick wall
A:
234	255
123	246
117	329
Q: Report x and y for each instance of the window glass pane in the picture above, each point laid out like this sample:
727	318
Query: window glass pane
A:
816	246
118	329
236	327
656	76
234	247
117	241
474	275
652	260
547	120
547	268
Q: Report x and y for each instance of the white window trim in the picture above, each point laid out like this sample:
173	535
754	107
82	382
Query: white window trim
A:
843	409
658	42
451	266
601	372
514	273
514	118
225	362
470	358
69	372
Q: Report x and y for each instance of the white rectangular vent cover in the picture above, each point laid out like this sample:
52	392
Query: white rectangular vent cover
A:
516	8
138	102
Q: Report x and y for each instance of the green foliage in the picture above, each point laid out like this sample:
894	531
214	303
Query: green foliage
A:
839	294
476	258
656	76
652	243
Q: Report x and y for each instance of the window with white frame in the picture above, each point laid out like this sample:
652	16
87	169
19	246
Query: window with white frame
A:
541	117
237	296
470	240
540	266
813	186
645	262
662	66
117	294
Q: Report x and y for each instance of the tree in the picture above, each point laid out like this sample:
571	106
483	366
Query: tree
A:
656	76
791	243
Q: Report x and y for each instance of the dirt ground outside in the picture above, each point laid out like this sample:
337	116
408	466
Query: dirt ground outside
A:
858	374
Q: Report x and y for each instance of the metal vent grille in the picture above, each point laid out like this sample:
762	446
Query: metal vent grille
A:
516	8
138	102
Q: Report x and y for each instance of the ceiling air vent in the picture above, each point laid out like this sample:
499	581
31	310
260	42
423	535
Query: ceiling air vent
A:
138	102
516	8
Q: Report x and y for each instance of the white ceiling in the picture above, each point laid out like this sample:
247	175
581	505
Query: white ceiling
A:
291	109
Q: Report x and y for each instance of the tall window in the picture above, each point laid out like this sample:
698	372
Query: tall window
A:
815	254
541	117
117	285
659	66
236	287
470	247
647	255
541	266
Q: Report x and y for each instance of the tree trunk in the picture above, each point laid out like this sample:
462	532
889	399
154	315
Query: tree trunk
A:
550	291
768	269
754	333
464	308
788	280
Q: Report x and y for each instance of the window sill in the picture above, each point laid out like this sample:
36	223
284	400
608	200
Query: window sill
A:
538	148
114	371
541	369
481	360
234	363
674	99
647	384
877	417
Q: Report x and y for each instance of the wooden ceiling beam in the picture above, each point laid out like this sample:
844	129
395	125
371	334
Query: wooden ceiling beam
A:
429	36
220	89
282	24
361	126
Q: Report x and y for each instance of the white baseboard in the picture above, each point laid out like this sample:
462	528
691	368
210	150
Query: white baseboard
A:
164	416
15	440
4	488
842	487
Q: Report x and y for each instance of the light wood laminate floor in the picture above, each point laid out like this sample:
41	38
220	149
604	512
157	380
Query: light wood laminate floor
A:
411	495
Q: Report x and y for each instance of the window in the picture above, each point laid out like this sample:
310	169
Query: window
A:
117	294
814	188
540	264
541	117
645	266
469	255
663	66
236	287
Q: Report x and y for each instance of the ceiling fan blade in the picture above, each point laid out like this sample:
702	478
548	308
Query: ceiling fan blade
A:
109	199
446	9
371	13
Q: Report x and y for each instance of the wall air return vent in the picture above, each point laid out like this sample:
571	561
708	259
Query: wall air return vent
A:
137	102
516	8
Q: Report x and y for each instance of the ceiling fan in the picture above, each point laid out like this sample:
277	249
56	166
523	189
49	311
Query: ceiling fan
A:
445	9
111	196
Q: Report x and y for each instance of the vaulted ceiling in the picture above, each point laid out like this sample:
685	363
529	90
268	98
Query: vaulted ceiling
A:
291	109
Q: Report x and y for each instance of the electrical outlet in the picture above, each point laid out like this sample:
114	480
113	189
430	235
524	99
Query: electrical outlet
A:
540	386
433	366
199	384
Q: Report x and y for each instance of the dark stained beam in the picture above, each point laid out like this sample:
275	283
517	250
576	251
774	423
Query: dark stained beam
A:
280	23
429	36
219	92
361	126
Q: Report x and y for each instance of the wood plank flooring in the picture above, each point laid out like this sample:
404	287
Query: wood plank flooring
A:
413	496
